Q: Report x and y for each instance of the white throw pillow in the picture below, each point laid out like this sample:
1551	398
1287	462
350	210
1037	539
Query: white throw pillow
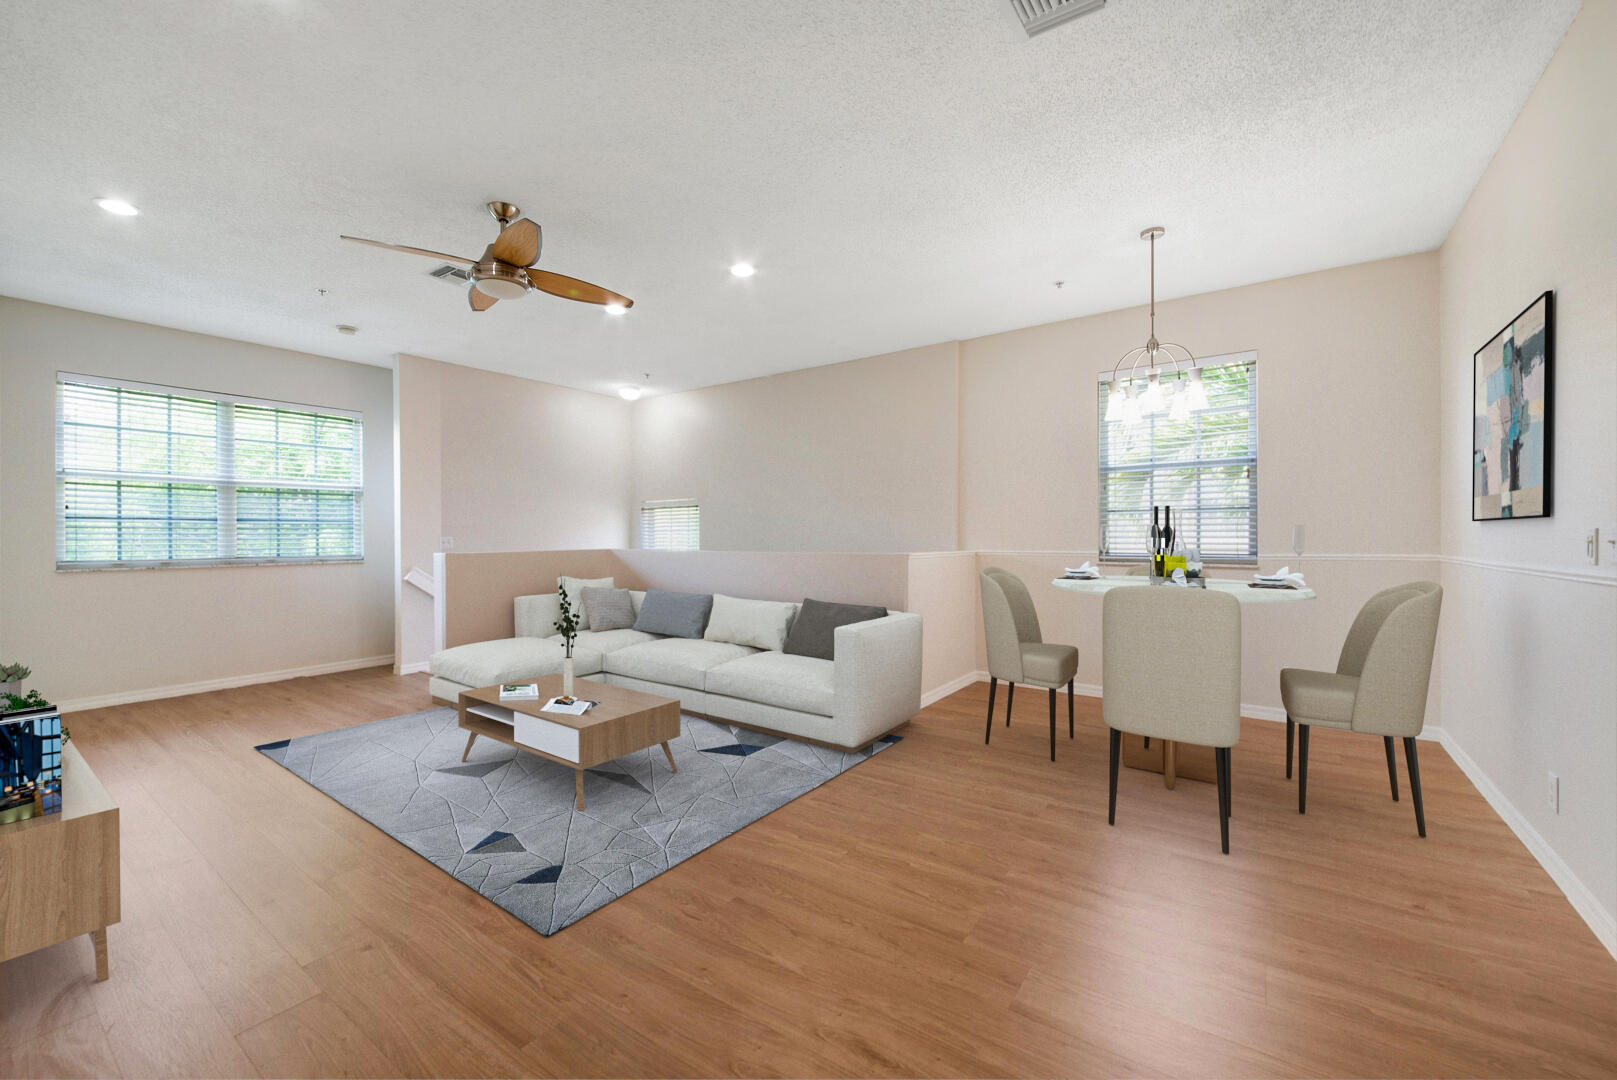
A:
575	587
760	624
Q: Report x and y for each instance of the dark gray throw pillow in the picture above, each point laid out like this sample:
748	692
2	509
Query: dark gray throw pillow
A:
608	609
813	632
675	614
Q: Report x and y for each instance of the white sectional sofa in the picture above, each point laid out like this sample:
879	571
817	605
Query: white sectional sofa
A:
872	686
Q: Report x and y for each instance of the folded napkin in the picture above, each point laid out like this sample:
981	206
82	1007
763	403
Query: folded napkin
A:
1088	570
1283	576
1179	577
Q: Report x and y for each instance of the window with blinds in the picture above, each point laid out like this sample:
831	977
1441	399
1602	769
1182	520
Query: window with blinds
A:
156	476
671	525
1204	466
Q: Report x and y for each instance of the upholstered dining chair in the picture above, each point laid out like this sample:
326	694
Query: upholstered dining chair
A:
1017	651
1171	669
1379	686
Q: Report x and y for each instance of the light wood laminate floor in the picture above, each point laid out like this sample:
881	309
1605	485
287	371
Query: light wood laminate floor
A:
946	909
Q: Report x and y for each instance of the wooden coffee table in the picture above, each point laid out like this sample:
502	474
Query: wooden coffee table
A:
624	721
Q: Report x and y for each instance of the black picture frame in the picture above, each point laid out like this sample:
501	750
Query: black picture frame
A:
1479	464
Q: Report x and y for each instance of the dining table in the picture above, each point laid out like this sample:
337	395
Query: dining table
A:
1166	756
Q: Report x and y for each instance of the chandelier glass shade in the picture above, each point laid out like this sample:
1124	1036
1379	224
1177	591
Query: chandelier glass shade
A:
1172	377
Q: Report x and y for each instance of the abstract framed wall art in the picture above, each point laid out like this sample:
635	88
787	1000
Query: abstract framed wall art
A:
1511	421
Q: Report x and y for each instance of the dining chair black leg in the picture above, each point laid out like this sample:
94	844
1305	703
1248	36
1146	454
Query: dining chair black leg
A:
1111	805
1221	757
1052	723
1010	696
993	684
1392	766
1291	734
1302	768
1071	728
1414	784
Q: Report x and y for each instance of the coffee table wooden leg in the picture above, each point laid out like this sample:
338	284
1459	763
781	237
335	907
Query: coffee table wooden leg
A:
469	740
99	939
670	754
578	778
1170	763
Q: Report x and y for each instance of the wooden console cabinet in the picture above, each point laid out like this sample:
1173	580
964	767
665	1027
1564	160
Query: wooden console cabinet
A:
59	873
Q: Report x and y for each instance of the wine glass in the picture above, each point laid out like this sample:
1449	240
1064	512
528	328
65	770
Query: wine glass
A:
1297	539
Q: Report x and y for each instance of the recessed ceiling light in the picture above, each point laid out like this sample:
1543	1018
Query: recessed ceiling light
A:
615	309
629	393
117	206
346	330
743	269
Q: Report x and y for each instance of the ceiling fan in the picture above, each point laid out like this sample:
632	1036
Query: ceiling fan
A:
506	270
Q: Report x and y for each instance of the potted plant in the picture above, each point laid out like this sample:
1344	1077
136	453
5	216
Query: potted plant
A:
11	677
567	626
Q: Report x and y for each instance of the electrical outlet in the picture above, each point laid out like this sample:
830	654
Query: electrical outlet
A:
445	543
1555	793
1591	546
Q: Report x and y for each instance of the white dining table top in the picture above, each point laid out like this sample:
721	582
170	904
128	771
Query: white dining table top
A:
1235	587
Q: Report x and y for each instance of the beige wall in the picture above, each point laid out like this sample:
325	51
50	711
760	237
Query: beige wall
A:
127	633
498	463
849	457
1528	658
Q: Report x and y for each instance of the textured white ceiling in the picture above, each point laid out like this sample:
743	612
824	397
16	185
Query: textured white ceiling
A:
901	173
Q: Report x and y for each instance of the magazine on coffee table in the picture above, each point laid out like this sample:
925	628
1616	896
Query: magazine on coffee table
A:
568	705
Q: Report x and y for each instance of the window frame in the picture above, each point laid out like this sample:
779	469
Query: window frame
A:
650	506
226	483
1248	356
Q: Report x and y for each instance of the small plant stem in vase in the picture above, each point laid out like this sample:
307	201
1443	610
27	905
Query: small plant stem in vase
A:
567	626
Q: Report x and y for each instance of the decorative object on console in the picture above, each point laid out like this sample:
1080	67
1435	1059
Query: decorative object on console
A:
504	822
1171	392
12	676
607	609
681	615
813	632
567	627
30	759
1512	427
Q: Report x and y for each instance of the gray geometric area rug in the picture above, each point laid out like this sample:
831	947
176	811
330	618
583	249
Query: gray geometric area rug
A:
503	821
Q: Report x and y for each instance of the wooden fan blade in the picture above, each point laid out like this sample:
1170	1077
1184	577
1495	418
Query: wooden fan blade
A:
573	289
480	300
413	251
518	243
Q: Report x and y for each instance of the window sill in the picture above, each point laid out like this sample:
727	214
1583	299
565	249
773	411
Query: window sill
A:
195	564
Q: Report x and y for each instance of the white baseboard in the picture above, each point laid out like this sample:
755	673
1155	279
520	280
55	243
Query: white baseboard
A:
938	693
411	669
1583	900
154	693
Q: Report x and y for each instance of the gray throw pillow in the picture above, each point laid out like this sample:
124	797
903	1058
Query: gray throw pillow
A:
674	614
609	609
813	632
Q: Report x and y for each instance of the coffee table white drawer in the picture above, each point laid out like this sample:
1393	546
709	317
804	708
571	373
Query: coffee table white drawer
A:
557	740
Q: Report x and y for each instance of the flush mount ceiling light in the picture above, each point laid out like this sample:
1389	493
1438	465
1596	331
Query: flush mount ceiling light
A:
1165	388
629	393
117	206
743	269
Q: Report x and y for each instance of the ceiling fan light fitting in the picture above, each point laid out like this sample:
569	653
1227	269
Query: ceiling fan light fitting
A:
500	286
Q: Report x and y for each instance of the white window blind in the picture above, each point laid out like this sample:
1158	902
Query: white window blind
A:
1205	467
671	525
157	476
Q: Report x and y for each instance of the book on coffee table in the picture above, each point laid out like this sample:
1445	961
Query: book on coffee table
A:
519	691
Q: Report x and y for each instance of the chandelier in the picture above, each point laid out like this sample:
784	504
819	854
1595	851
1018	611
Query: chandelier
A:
1176	390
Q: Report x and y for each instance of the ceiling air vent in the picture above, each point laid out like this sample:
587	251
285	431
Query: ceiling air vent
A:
452	274
1040	15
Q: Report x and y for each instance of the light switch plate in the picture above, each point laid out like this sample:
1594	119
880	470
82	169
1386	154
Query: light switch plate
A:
1555	793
